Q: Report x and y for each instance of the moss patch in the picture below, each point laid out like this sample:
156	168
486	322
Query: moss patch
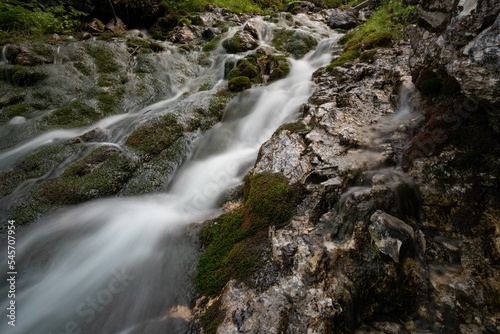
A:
379	31
238	84
101	173
296	43
156	135
20	109
234	241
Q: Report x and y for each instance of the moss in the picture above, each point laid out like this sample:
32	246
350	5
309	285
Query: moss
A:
213	317
344	58
36	164
234	44
239	84
278	67
296	43
144	46
295	127
234	241
20	109
27	76
367	56
101	173
210	46
244	68
105	59
110	103
76	114
156	135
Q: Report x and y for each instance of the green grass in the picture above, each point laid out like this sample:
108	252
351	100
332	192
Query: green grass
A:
235	241
383	28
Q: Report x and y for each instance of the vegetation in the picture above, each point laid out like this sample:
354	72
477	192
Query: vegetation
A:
235	241
101	173
156	135
296	43
29	18
379	31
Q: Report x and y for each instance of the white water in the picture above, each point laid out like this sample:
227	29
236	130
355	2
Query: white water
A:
116	265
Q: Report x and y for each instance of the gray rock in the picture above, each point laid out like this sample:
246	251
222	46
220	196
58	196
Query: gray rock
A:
183	35
117	26
299	7
255	27
390	234
343	18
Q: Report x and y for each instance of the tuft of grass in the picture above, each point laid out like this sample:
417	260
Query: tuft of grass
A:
383	28
235	241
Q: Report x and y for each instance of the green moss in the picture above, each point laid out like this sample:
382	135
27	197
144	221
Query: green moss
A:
20	109
296	43
156	135
239	84
278	67
210	46
27	76
379	31
367	56
144	46
101	173
235	241
244	68
234	44
104	57
295	127
213	317
76	114
36	164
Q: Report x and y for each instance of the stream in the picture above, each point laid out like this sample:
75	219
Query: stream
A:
121	265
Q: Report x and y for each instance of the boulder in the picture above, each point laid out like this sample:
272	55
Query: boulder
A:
116	26
299	7
240	42
343	18
390	234
183	35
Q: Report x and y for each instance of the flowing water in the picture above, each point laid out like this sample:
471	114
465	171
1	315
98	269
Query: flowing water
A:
121	265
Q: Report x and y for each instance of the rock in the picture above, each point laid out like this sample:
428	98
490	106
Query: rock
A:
343	18
390	234
96	26
183	35
94	135
255	27
240	42
31	54
283	154
117	26
457	45
299	7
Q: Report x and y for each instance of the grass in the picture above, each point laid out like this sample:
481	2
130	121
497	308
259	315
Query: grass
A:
235	241
383	28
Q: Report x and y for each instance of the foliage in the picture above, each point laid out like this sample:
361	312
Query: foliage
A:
380	30
31	18
235	241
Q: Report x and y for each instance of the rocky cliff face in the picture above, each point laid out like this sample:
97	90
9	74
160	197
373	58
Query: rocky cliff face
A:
400	230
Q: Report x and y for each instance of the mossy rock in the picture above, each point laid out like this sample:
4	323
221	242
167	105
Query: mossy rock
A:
210	46
295	127
367	56
296	43
20	109
213	317
104	57
240	42
244	68
344	58
278	67
23	76
156	135
235	241
381	39
239	84
102	173
144	46
75	114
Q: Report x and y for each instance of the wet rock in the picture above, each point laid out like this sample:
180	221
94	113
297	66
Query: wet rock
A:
240	42
117	26
255	27
95	26
94	135
283	153
390	234
183	35
299	7
31	54
343	18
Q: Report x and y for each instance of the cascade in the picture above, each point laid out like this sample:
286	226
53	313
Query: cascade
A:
120	265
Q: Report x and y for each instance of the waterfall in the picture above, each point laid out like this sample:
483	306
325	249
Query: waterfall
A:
119	265
4	59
